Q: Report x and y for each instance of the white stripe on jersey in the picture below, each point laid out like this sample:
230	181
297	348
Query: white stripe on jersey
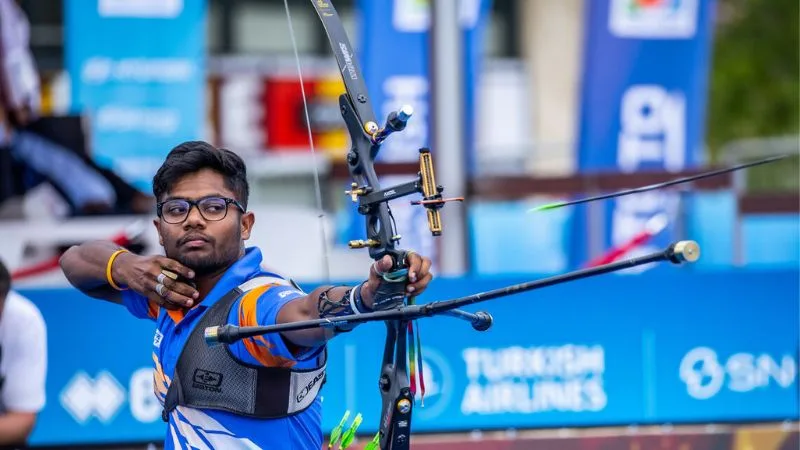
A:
194	425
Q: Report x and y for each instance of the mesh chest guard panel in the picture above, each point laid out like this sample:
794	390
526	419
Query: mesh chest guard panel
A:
211	378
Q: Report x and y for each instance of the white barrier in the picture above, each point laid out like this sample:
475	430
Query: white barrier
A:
290	240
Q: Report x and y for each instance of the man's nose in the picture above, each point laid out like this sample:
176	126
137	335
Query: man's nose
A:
194	218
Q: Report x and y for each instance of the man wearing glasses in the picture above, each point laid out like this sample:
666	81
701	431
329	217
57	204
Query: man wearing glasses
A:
259	392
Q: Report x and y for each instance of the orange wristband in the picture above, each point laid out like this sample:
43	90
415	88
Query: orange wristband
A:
108	269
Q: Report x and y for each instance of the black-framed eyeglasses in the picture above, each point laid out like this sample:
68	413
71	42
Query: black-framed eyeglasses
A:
211	208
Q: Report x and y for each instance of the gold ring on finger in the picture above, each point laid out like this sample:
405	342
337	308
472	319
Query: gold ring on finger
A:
169	274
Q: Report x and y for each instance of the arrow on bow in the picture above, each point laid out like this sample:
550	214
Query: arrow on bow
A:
393	308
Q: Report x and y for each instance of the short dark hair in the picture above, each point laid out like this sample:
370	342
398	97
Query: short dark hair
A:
5	281
193	156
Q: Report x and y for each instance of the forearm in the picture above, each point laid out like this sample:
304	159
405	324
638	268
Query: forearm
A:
321	302
85	268
15	427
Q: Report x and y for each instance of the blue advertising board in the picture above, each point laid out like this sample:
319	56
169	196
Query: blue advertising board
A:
137	71
643	103
664	346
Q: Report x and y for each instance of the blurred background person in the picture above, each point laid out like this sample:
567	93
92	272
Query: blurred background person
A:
23	364
85	186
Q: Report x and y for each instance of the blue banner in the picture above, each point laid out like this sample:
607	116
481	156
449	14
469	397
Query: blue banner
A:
666	346
394	58
138	73
643	102
394	54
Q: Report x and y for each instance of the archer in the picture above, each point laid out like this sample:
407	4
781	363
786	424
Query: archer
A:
237	395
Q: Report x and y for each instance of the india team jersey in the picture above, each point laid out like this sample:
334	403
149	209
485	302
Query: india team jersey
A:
191	428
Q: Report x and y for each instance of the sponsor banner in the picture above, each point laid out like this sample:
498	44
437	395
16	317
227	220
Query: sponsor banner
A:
395	60
137	71
643	102
661	347
99	372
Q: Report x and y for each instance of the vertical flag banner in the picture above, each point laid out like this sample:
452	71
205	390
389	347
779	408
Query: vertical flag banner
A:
137	72
643	102
394	60
394	51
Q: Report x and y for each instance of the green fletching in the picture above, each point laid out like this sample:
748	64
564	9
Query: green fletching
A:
350	434
336	433
547	207
375	444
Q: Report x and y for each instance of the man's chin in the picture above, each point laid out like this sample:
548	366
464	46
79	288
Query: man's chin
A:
201	266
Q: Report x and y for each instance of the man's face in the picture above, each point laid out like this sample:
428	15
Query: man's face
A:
206	246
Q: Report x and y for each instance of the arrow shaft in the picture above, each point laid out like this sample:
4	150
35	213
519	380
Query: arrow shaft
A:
665	184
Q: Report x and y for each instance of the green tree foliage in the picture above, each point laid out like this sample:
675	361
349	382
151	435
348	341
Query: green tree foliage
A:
754	86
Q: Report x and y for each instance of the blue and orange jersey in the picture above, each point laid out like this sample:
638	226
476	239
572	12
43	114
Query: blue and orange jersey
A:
191	428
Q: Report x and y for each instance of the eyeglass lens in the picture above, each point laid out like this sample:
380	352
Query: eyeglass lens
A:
174	211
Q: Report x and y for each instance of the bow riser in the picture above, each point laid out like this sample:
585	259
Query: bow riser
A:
381	235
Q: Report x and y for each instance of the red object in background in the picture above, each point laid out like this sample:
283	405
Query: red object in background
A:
649	3
123	238
284	116
653	226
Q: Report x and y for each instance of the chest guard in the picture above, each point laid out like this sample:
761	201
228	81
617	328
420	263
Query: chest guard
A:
212	378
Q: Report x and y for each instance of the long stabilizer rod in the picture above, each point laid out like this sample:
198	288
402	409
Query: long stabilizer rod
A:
677	253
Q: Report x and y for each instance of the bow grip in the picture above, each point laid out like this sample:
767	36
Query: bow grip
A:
391	292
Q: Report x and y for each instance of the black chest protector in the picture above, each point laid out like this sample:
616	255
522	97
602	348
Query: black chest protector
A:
212	378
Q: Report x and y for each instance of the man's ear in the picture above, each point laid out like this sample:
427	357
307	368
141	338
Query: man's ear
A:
248	219
158	230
